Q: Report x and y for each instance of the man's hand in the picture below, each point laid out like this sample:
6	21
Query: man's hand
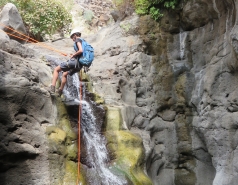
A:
70	55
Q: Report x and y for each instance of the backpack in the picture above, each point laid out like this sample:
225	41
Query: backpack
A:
88	53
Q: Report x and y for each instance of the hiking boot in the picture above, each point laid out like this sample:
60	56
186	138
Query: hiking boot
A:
51	89
60	92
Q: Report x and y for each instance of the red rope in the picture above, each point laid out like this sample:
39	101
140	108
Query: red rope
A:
31	40
79	120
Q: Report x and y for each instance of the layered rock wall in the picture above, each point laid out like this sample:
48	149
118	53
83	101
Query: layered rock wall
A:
37	144
175	83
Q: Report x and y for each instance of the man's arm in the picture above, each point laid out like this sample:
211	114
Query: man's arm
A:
79	52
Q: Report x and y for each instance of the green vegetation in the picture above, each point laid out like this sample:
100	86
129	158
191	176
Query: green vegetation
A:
88	16
43	16
153	7
125	148
143	7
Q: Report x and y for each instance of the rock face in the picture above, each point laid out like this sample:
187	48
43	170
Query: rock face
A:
22	119
174	84
176	87
91	16
11	22
35	137
37	142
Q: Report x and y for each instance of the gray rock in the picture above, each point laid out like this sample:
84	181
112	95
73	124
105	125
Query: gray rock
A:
12	23
188	78
4	36
176	89
168	115
26	109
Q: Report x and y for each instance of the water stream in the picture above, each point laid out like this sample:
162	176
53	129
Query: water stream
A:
94	141
97	160
182	39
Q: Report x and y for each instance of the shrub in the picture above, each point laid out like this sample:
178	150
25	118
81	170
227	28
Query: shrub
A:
143	7
43	16
88	16
153	7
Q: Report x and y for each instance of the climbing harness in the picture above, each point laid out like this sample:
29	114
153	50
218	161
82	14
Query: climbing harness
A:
30	40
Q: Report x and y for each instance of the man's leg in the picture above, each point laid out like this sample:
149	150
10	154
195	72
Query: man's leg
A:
55	75
63	80
51	89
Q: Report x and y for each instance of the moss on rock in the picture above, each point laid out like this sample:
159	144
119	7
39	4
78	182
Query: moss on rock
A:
62	142
113	119
70	176
66	126
56	134
72	152
98	99
125	148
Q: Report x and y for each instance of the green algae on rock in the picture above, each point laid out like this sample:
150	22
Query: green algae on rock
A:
125	149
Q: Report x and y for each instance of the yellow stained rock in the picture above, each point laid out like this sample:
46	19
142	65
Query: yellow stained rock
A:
125	148
113	119
56	134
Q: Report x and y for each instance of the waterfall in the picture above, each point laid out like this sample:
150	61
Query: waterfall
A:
182	38
97	155
98	172
215	8
95	143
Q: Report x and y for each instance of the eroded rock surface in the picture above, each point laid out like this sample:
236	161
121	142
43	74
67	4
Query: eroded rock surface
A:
176	83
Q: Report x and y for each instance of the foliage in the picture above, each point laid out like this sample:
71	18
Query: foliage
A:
126	27
153	7
88	16
143	7
43	16
155	13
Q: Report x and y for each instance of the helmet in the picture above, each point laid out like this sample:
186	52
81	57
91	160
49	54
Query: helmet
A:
73	32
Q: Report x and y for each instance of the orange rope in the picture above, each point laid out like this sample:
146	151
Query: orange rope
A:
31	40
80	111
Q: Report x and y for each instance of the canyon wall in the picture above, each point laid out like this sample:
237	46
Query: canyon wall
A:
176	85
173	82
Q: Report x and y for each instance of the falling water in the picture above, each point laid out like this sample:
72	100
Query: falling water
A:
215	7
182	38
97	155
98	172
95	143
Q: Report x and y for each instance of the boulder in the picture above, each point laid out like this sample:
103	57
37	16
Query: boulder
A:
12	23
4	36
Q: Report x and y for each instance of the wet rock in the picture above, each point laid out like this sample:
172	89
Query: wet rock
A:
184	86
124	144
191	20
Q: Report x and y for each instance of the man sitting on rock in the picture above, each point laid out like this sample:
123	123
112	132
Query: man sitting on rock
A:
70	67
